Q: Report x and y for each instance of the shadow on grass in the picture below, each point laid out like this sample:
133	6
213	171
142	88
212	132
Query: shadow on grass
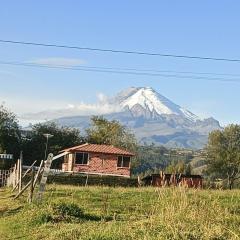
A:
69	213
9	212
83	217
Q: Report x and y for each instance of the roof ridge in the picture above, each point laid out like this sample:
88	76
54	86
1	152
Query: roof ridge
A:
100	148
72	148
85	144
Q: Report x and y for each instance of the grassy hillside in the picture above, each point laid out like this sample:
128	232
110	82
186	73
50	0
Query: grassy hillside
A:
70	212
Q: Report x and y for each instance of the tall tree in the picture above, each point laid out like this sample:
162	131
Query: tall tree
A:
177	167
150	157
63	137
223	154
10	137
113	133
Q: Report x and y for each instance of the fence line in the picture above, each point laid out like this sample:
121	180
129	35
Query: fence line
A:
52	170
8	177
4	176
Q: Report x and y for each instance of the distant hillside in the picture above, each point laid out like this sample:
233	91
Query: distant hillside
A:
153	119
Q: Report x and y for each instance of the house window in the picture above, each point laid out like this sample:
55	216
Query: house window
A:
123	161
81	158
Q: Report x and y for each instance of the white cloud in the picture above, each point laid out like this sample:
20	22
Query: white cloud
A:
71	106
73	110
59	61
91	109
79	109
102	98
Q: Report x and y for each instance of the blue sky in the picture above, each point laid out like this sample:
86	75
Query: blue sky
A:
203	28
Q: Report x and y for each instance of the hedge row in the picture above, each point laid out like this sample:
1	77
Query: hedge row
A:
80	180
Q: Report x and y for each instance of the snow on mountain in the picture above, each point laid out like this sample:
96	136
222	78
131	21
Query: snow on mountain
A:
152	117
141	101
151	101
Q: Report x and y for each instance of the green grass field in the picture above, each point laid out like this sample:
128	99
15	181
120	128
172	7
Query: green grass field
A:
70	212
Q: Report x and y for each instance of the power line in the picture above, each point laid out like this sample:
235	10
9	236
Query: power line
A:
120	51
102	70
163	71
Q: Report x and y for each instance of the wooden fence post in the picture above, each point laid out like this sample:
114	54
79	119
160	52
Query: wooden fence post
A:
86	182
23	189
20	173
38	172
17	172
14	176
10	178
45	174
31	187
28	170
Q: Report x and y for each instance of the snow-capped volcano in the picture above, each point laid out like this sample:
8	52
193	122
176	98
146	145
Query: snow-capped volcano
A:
152	117
146	101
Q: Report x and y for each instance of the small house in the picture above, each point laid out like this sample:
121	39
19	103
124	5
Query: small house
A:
97	159
164	179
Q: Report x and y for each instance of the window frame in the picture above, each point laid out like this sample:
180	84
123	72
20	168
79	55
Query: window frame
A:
83	164
122	165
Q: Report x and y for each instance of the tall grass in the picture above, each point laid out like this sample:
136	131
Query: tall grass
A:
123	213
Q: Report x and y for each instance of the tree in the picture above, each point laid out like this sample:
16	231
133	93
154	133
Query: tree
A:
113	133
188	170
177	167
63	137
150	157
223	154
10	137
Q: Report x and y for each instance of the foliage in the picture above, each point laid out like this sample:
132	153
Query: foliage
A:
82	180
137	213
43	218
179	167
113	133
63	137
10	138
223	154
67	211
152	159
149	159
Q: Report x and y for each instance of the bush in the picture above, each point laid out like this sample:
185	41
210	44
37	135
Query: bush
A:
44	218
80	180
67	211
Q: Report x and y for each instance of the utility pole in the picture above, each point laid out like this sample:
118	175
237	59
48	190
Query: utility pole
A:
20	172
47	136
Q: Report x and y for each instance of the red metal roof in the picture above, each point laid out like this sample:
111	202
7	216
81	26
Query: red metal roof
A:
98	148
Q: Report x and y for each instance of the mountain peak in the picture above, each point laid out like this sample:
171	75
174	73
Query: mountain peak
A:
147	99
152	117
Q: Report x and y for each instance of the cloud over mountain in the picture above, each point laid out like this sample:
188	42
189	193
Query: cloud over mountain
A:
152	117
102	106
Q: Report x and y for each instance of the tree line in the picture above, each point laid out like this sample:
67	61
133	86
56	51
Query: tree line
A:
33	143
222	159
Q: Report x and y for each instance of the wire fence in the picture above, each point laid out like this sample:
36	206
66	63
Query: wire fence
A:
4	175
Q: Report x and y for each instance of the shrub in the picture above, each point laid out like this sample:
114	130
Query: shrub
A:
67	211
44	218
96	180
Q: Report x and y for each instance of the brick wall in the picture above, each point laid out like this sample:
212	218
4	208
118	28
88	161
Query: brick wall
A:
99	163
